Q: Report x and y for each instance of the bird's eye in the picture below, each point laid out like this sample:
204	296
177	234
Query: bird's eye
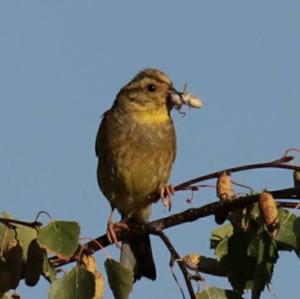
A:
151	87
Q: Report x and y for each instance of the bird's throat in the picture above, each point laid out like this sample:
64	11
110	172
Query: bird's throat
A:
147	117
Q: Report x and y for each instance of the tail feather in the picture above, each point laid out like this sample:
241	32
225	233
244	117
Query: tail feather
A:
137	256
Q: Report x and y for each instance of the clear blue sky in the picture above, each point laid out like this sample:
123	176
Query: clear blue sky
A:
62	63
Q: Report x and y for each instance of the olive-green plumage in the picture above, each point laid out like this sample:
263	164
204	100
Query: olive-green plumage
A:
136	146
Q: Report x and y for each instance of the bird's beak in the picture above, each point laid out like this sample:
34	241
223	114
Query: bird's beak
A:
177	99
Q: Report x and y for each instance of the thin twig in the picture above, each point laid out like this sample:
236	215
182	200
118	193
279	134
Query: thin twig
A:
41	213
98	244
174	257
288	204
8	221
251	190
177	282
279	163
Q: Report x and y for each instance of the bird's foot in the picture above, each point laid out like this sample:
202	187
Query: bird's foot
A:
113	229
166	194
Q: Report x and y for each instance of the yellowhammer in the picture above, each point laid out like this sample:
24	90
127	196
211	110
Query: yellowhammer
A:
136	147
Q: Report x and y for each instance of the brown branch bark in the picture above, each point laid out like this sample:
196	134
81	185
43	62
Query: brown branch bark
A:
9	221
211	266
188	215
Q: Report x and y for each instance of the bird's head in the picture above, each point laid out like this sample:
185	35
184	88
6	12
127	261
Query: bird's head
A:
149	94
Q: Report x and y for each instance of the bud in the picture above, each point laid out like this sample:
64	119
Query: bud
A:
224	187
269	212
224	192
297	178
192	261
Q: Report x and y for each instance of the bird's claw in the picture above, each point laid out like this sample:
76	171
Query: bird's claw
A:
166	194
112	229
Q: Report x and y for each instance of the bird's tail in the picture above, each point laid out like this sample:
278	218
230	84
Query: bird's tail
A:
137	255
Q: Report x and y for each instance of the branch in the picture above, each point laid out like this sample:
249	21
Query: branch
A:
279	163
211	266
8	221
188	215
174	256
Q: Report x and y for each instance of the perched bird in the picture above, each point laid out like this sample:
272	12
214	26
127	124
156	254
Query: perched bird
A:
136	147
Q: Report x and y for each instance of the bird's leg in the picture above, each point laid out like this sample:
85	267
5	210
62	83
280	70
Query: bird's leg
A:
166	194
112	228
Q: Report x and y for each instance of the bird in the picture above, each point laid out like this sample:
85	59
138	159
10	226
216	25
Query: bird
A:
136	148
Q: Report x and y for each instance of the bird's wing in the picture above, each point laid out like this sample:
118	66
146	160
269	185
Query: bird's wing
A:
101	134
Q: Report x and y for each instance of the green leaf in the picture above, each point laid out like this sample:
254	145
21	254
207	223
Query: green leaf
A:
22	233
120	278
219	234
297	234
238	264
7	296
60	238
77	284
34	263
48	270
11	267
222	249
25	236
216	293
289	232
266	258
6	234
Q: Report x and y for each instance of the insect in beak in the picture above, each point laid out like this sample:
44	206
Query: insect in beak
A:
184	98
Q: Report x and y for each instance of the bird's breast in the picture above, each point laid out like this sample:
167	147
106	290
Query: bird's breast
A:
135	160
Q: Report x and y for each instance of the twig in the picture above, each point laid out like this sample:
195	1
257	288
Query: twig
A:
289	205
98	244
155	230
8	221
41	213
279	163
177	282
211	266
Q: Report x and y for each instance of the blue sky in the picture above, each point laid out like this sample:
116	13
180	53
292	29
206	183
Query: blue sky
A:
61	65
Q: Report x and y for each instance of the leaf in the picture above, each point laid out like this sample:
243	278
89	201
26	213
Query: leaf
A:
90	264
289	232
222	249
60	238
296	228
237	263
22	233
99	288
219	234
11	267
25	236
6	234
266	258
7	296
34	263
48	270
79	283
120	278
216	293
